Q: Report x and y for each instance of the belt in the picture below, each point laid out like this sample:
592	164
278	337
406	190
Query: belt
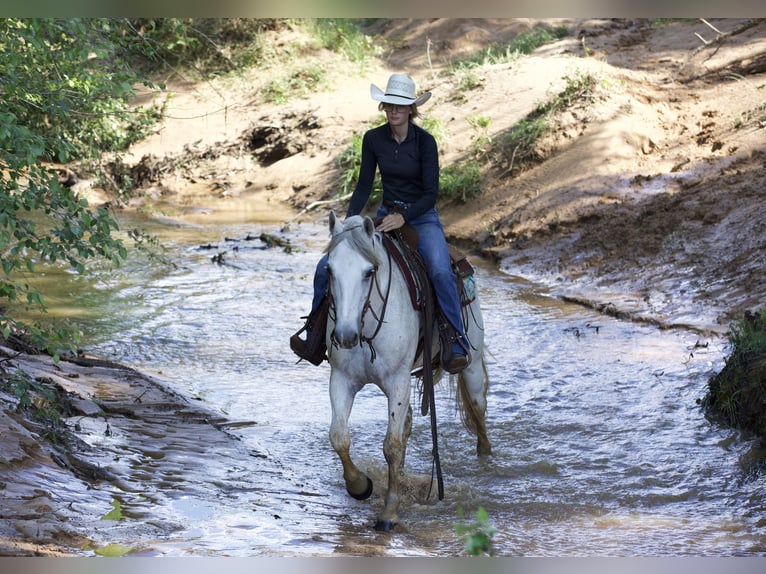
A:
395	206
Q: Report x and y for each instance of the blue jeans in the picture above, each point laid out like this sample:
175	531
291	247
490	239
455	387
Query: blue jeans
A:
432	246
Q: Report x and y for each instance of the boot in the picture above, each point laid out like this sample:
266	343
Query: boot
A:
455	355
313	349
457	359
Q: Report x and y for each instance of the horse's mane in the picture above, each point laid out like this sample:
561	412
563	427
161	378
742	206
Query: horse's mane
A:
354	233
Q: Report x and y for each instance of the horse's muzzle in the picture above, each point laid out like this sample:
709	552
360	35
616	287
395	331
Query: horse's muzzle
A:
345	338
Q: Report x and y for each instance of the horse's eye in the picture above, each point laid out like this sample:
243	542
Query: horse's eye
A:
369	273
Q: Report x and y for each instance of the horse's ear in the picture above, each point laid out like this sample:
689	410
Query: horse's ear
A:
369	226
334	221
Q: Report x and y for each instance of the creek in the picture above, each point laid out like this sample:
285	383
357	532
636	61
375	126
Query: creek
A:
599	445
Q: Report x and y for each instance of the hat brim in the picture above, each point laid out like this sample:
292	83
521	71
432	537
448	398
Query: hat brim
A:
380	96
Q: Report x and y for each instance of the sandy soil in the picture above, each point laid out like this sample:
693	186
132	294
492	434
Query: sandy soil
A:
647	200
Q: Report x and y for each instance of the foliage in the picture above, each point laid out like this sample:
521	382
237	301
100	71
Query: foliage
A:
522	137
350	161
345	36
38	397
481	138
64	80
435	127
461	181
65	90
300	81
477	535
203	44
579	86
522	44
738	393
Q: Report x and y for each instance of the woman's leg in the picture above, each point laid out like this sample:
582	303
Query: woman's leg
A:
432	245
320	284
314	347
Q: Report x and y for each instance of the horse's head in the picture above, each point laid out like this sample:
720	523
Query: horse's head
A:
351	264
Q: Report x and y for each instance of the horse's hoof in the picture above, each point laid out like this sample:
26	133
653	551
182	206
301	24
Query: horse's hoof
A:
365	494
484	450
384	525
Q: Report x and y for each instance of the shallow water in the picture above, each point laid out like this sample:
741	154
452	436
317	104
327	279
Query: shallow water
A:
599	447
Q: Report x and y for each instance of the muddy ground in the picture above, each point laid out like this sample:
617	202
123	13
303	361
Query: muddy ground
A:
647	199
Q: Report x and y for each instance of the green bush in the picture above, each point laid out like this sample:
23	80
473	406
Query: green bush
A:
738	393
461	181
66	91
477	535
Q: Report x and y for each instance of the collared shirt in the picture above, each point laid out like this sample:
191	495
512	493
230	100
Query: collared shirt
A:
409	171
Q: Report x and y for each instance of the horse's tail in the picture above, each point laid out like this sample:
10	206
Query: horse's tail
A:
470	413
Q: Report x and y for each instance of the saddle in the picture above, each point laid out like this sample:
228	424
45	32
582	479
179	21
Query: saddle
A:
402	243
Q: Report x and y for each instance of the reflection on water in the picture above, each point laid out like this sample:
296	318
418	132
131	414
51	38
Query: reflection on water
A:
599	447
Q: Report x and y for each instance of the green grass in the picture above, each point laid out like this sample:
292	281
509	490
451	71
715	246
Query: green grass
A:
522	44
461	180
345	36
299	82
737	394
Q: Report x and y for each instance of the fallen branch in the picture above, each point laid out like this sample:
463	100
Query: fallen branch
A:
708	24
314	205
716	43
720	36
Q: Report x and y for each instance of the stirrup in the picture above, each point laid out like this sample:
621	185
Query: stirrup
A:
303	349
314	348
453	363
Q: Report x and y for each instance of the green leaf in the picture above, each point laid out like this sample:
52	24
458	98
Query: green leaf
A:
114	550
115	513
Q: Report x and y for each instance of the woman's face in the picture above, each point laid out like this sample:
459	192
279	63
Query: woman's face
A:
397	115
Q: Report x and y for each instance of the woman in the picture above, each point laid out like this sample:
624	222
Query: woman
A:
408	160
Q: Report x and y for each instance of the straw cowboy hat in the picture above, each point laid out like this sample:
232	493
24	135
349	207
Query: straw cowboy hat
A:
400	90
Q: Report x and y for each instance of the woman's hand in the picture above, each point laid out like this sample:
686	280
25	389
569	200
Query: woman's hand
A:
391	221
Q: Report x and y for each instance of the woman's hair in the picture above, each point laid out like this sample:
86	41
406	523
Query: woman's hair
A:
414	113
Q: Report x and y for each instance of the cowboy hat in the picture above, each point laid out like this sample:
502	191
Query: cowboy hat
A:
400	90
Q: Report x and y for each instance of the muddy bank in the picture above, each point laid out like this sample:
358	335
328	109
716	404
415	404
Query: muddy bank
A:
690	255
64	493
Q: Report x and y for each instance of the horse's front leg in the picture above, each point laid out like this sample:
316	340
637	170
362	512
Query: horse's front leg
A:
394	447
342	395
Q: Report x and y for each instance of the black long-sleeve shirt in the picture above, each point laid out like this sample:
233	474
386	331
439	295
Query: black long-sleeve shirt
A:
409	171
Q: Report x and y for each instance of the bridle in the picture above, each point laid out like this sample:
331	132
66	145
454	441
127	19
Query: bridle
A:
367	307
